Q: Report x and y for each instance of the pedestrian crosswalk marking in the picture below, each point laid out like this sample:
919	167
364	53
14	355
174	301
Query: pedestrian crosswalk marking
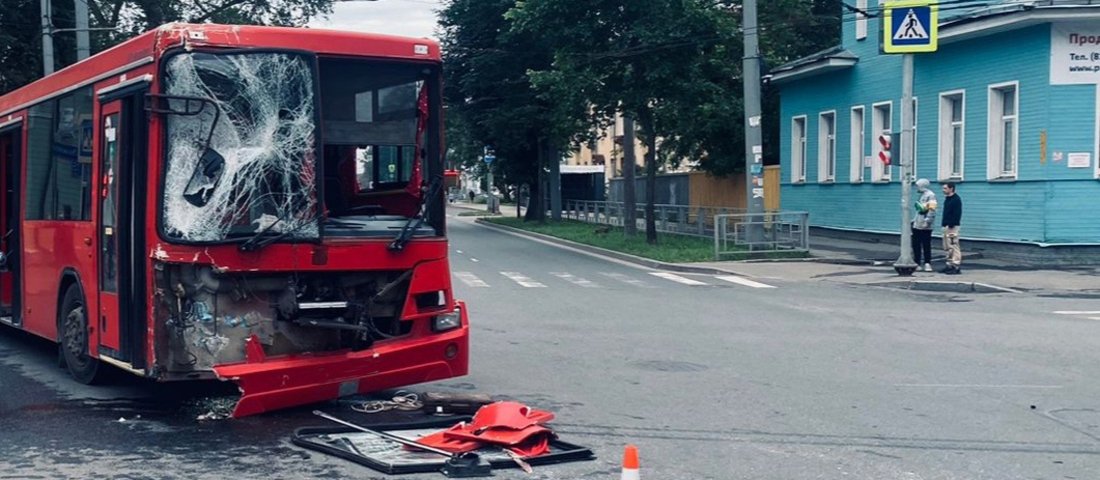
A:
575	280
523	280
743	281
676	278
1074	312
471	279
626	279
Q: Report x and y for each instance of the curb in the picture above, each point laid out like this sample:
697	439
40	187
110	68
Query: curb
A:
469	207
945	286
626	257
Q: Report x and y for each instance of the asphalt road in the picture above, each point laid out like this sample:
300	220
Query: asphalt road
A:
712	378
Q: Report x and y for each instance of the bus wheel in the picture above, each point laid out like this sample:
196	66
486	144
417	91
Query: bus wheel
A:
73	319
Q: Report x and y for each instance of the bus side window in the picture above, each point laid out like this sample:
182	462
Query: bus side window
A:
40	125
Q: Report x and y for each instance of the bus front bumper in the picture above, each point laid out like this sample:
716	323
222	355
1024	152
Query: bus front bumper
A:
277	383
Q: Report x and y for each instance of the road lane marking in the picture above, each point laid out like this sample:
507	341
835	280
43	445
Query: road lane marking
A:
966	385
626	279
472	259
575	280
1094	318
471	279
743	281
458	252
522	280
1072	312
676	278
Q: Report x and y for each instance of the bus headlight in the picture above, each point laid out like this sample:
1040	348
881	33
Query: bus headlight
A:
447	321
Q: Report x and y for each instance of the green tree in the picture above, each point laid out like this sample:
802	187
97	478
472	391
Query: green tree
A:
492	101
646	59
711	130
21	31
20	43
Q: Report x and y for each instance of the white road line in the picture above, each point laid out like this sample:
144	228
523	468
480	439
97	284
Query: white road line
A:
458	252
676	278
1094	318
626	279
743	281
964	385
523	280
470	279
1071	312
472	259
575	280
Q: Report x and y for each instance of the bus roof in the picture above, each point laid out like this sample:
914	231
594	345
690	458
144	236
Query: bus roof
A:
144	49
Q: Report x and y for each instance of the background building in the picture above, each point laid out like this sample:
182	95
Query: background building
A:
1007	108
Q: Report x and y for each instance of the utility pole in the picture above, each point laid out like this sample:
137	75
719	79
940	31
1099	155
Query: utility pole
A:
754	150
630	209
47	38
83	43
908	28
905	265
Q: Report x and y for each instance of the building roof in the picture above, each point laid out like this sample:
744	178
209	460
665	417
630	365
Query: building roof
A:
832	59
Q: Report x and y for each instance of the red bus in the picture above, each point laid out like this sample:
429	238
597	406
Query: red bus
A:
256	204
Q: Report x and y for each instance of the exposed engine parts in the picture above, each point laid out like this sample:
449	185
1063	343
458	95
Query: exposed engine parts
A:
209	315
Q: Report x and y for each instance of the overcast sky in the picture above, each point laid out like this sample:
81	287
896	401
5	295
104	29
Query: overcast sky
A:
411	18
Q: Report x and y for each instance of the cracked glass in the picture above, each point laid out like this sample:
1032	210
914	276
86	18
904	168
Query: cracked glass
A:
244	162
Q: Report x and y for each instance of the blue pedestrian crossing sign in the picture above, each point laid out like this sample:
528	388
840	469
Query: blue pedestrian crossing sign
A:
910	27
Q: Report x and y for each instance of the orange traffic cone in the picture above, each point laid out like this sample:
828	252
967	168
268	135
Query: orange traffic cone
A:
630	463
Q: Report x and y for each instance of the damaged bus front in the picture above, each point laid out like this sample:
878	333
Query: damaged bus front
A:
301	246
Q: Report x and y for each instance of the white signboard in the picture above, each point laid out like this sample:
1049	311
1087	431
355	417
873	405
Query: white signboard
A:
1079	160
1074	53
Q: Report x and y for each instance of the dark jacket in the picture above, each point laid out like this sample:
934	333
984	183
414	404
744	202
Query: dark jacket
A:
952	211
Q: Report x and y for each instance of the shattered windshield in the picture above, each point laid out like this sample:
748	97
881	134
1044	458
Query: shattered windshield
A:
241	146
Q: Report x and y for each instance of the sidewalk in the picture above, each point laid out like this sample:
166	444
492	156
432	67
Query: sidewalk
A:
871	264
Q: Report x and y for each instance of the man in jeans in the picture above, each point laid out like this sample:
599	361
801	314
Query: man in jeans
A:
923	223
952	217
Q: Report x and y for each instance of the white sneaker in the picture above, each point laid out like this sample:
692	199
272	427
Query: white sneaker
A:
928	267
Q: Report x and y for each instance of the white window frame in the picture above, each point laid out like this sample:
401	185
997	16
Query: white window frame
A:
995	132
946	138
857	142
861	20
826	148
799	150
879	173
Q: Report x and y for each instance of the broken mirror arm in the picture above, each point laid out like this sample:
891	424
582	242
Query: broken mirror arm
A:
210	167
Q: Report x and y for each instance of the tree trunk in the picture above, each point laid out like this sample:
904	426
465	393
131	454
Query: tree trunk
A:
630	201
646	119
553	182
536	212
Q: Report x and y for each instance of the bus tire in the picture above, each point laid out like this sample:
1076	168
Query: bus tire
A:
73	323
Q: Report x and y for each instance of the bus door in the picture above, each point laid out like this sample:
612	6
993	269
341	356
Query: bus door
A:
122	144
10	155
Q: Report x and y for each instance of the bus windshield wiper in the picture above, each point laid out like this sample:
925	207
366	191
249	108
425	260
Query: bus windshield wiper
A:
416	221
260	240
